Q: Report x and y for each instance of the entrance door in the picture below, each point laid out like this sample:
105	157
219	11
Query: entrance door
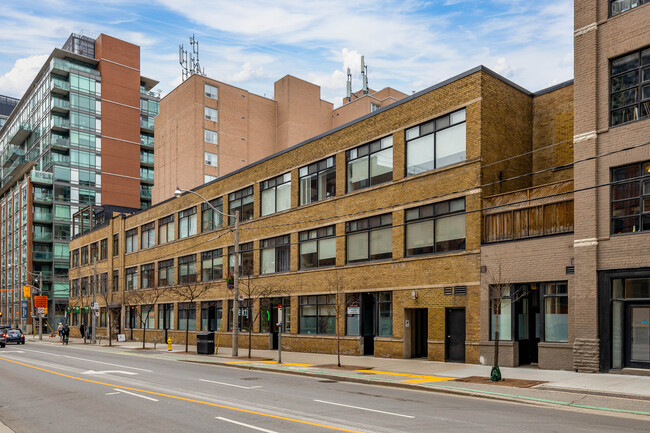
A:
527	327
637	341
368	323
419	333
455	340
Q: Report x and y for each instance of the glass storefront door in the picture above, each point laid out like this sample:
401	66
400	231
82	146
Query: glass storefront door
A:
638	341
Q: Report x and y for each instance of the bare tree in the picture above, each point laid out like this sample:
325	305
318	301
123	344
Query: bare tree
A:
111	303
146	299
336	286
254	290
189	291
502	293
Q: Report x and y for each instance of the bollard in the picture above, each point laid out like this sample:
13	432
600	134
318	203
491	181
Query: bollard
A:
154	343
99	339
169	344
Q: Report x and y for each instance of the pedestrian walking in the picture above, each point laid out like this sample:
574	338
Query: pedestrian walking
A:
65	331
82	330
59	329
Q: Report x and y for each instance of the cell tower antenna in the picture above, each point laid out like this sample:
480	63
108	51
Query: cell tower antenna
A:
190	61
348	92
364	75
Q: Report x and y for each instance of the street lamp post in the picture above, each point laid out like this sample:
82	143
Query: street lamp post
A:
36	279
235	305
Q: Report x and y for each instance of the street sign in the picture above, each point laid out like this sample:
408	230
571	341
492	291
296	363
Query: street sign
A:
280	315
23	309
26	291
40	301
76	309
94	305
240	297
41	310
97	313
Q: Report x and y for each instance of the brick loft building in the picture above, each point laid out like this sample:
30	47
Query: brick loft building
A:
82	134
370	231
219	128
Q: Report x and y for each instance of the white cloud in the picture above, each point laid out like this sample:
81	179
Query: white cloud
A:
15	82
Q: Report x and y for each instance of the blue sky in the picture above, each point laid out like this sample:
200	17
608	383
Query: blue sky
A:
407	44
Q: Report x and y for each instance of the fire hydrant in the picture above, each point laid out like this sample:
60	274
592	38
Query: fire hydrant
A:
169	344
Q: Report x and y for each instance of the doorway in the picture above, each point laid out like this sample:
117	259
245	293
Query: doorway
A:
368	322
455	335
528	326
419	333
637	336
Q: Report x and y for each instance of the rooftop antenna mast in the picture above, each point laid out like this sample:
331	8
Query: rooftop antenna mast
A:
364	75
190	61
349	86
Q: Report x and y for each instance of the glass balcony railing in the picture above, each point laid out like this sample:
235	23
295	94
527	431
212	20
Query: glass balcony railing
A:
145	193
60	65
60	104
41	177
43	198
60	85
44	217
146	141
43	237
60	122
60	141
43	255
146	122
146	159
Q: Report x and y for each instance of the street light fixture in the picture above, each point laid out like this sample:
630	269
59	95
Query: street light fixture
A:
235	306
36	279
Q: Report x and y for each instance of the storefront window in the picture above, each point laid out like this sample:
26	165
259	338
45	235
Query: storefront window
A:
318	314
503	306
556	312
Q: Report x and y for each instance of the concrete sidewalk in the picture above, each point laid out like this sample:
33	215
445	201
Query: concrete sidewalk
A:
618	393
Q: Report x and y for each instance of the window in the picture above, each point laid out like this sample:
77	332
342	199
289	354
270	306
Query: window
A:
166	316
436	228
211	159
211	265
244	316
148	316
631	198
116	245
211	137
94	252
103	249
211	91
187	269
208	178
148	235
369	238
74	291
436	143
385	314
374	107
276	194
504	305
276	255
187	316
630	87
382	310
75	258
318	181
556	312
147	276
166	273
241	201
131	319
187	223
131	278
211	114
84	255
131	240
317	248
116	281
620	6
103	283
166	229
210	219
84	286
318	314
370	164
245	259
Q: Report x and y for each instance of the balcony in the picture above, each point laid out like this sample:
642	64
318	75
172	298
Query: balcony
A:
43	217
145	193
43	256
43	198
59	142
146	141
533	212
19	133
42	237
60	123
60	105
12	153
146	123
41	177
146	159
60	86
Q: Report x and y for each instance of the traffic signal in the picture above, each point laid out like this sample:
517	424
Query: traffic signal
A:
26	292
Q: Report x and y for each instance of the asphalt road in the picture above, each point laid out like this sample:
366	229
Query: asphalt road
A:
51	388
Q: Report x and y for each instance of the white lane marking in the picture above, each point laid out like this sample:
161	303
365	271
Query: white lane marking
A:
111	393
364	408
134	394
244	425
12	351
108	371
230	384
90	360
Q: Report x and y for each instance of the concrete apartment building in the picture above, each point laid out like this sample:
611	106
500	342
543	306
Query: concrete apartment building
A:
371	231
219	128
82	134
7	104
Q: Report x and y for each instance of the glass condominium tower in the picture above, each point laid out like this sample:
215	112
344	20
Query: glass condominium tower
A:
82	134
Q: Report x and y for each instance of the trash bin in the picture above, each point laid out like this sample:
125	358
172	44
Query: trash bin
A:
205	343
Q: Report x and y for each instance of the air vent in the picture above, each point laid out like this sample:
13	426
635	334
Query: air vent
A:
570	270
460	290
448	291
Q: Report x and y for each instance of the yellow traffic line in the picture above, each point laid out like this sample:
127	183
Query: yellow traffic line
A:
175	397
416	377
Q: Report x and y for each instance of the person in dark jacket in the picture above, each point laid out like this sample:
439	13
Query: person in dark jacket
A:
65	332
82	330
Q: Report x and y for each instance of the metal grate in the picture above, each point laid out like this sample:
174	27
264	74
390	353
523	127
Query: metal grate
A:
570	270
460	290
448	291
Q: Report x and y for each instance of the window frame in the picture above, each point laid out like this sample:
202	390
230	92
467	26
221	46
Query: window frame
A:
313	173
246	210
166	266
211	220
434	212
209	94
640	104
168	226
131	243
612	13
327	301
148	235
187	220
318	235
640	180
147	275
273	185
215	271
188	264
367	226
544	292
131	278
245	252
103	249
366	151
280	248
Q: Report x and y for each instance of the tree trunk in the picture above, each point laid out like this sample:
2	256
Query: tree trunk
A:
187	330
110	325
144	333
250	338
